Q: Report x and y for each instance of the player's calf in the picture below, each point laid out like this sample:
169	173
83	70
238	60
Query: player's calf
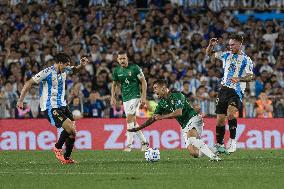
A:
69	126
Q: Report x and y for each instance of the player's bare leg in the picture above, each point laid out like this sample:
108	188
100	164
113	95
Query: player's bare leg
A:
196	146
232	121
220	133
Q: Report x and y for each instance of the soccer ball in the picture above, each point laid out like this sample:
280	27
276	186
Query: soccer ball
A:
152	154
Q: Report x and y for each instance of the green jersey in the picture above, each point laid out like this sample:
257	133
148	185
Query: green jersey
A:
129	78
176	100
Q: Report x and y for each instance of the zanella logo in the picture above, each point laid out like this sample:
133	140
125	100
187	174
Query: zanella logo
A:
258	138
45	140
101	134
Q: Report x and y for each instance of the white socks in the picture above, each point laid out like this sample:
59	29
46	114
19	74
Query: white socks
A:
141	135
201	146
130	135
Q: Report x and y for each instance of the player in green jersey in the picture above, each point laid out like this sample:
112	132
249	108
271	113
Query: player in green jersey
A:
130	76
174	104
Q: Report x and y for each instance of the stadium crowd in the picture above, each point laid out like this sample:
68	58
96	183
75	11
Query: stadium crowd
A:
167	40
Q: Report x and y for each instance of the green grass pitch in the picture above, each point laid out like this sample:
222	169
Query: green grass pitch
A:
116	169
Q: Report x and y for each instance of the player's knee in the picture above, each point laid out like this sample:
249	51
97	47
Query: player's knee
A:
193	152
192	133
231	112
130	125
72	132
130	118
231	116
221	122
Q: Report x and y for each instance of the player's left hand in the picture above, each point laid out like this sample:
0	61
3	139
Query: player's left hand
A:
158	117
84	61
235	80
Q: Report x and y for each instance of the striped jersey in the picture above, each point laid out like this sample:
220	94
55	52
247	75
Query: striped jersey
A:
235	65
52	87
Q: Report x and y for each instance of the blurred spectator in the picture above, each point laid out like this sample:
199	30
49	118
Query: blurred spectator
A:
11	97
167	39
25	112
94	106
117	111
202	99
151	106
32	99
4	106
264	106
76	107
249	105
279	108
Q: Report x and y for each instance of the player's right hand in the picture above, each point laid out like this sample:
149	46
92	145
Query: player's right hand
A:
112	101
213	41
20	104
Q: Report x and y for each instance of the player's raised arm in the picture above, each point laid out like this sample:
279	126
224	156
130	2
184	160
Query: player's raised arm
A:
210	48
83	62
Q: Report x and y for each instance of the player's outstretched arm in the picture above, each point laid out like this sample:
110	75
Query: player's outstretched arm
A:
212	43
83	62
174	114
144	125
24	91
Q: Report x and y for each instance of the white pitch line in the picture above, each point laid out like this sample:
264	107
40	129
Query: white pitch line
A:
76	173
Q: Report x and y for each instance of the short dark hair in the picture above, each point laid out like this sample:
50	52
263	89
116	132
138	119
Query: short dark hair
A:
121	52
237	37
62	57
161	82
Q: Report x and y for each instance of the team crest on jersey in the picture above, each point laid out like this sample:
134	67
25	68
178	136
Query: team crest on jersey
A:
172	102
232	67
235	60
129	73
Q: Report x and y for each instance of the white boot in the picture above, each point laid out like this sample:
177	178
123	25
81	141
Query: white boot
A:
232	145
145	146
128	148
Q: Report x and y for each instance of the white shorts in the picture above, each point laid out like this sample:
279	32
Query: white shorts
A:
195	122
131	106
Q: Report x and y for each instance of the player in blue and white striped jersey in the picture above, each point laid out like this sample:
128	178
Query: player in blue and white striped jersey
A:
238	69
53	103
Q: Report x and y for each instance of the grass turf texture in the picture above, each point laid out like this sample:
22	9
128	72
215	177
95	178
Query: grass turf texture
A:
117	169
